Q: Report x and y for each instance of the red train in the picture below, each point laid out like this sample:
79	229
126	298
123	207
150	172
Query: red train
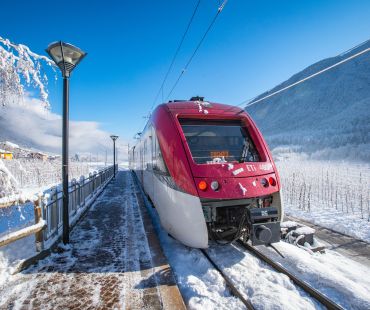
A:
209	173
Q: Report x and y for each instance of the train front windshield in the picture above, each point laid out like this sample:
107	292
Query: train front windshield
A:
218	141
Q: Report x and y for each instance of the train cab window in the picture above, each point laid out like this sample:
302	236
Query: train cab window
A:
218	141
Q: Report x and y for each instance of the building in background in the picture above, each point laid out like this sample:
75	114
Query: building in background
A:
6	154
38	155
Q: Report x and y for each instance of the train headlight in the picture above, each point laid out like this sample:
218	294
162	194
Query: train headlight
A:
264	182
215	185
202	185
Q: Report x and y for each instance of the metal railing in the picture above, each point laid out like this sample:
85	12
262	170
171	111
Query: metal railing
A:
48	209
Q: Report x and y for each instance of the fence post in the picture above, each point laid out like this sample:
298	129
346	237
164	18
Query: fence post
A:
90	184
79	193
82	190
39	236
73	194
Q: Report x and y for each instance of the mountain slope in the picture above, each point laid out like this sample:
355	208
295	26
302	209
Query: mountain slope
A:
327	116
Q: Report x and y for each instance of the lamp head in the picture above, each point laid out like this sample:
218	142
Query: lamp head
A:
66	56
113	137
137	135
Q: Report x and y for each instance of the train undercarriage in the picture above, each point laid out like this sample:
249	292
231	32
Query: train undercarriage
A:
255	219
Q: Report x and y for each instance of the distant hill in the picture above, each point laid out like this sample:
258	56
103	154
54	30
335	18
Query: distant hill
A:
328	116
22	152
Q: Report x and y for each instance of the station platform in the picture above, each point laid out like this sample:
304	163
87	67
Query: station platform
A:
114	261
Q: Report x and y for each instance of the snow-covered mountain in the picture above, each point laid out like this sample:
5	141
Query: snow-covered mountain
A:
327	116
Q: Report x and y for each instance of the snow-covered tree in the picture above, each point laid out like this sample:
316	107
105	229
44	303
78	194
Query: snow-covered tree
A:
20	68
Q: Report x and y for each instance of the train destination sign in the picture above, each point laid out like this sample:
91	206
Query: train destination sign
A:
220	154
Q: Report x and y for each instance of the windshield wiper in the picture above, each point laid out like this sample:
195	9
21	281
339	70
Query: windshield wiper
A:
245	151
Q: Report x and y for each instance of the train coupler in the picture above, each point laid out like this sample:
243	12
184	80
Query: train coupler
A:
301	236
263	225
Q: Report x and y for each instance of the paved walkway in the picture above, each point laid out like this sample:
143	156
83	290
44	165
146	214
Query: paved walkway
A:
353	248
109	265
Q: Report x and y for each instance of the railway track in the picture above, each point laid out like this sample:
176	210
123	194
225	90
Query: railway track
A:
321	298
229	283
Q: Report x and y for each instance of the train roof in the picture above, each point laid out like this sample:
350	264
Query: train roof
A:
195	106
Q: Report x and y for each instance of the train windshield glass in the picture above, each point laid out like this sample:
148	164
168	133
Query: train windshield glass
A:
218	141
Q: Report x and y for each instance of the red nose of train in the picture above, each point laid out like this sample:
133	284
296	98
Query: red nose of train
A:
227	155
225	185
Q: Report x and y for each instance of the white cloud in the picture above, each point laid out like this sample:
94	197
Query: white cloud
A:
30	125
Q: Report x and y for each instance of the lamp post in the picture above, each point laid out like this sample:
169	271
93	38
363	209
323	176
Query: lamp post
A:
66	57
114	138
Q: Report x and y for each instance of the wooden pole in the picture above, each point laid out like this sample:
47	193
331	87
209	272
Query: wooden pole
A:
39	236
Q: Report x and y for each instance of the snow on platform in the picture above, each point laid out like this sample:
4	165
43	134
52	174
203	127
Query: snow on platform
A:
114	261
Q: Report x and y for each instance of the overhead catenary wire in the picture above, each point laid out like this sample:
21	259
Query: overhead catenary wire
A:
353	48
175	55
219	10
252	101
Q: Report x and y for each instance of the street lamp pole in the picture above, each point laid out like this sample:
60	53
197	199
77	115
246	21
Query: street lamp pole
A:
65	159
66	57
114	138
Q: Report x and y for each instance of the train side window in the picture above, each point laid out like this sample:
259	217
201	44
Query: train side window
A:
153	140
147	163
159	166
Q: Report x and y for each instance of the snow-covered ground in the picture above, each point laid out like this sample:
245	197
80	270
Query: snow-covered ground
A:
331	194
97	165
203	288
10	256
342	279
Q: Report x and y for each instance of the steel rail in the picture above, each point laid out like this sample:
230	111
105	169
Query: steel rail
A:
229	283
328	303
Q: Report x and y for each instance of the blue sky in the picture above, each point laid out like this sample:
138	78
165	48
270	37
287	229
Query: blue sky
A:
253	46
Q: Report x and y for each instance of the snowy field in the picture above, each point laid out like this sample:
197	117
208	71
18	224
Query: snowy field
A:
29	176
203	288
24	179
333	194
